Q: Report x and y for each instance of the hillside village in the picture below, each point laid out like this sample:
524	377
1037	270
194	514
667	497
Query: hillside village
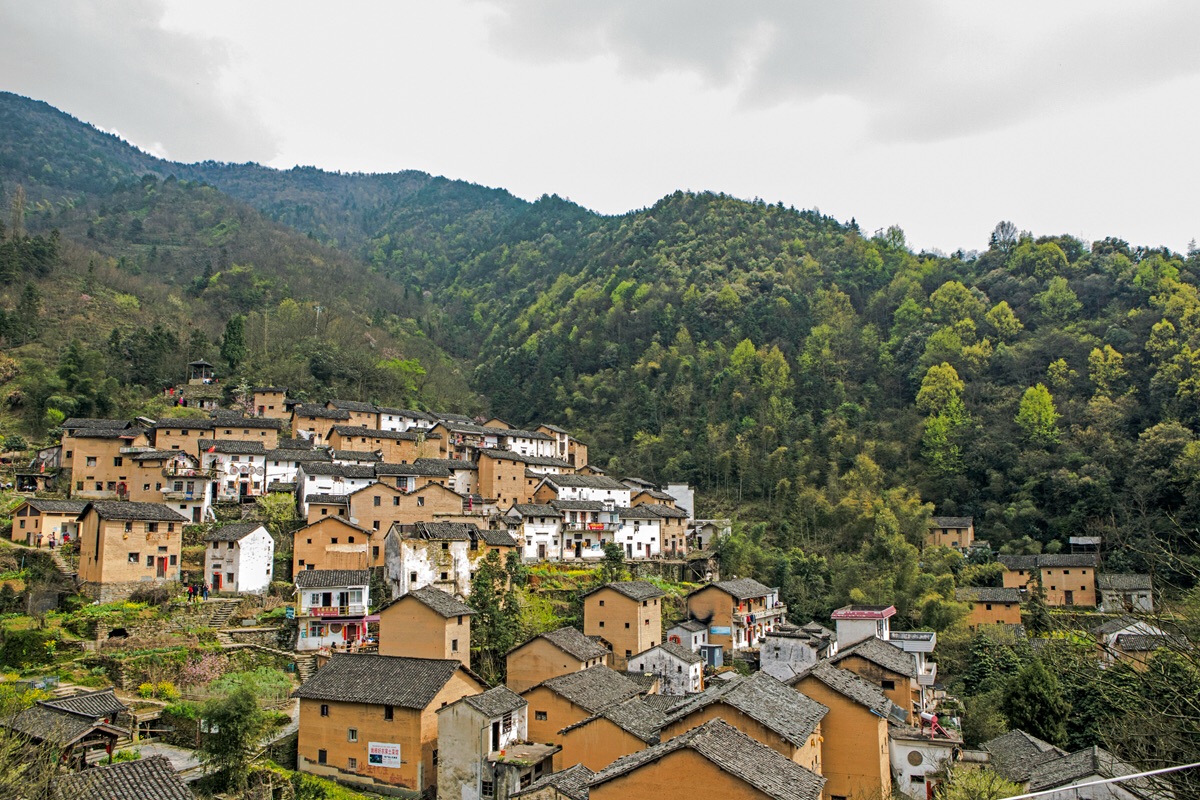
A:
344	544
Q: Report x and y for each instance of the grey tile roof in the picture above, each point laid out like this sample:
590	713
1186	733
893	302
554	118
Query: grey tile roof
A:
372	433
161	455
269	389
380	680
677	651
57	506
636	512
288	487
107	433
881	654
79	423
151	778
232	533
594	688
550	427
1123	582
297	454
1086	763
1114	625
332	578
50	724
324	499
766	700
571	782
443	603
415	468
496	702
233	447
362	456
665	511
1050	560
1148	642
953	522
446	416
495	538
849	685
298	443
587	482
693	625
534	461
571	642
117	509
535	510
449	464
634	590
184	423
99	704
633	716
452	531
354	405
734	753
221	420
741	588
319	412
987	594
1016	753
577	505
407	412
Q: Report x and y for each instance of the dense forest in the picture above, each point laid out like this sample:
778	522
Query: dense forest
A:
777	359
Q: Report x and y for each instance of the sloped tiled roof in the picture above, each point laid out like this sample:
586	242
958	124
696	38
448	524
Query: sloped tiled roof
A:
987	594
184	423
332	578
1016	753
535	461
324	499
495	538
1123	582
232	420
117	509
734	753
319	412
233	447
367	456
594	688
1086	763
1148	642
849	685
664	511
535	510
50	724
57	506
298	454
372	433
151	778
766	700
953	522
354	405
416	468
633	716
587	482
634	590
684	654
496	702
1050	560
881	654
407	412
452	531
693	625
80	423
571	642
449	464
443	603
93	704
298	443
578	505
1114	625
571	782
233	532
380	680
740	588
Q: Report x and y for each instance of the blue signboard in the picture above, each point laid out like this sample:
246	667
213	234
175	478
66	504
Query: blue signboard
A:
718	630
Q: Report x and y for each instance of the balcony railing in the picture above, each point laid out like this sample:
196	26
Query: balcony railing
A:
352	610
176	471
596	527
928	676
171	494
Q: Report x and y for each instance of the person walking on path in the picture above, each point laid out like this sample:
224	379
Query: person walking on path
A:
39	541
204	591
52	541
191	592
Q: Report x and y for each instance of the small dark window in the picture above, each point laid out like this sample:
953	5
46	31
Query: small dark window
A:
888	685
322	756
324	710
539	716
389	713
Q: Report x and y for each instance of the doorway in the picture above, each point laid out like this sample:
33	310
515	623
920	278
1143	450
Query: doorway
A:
162	566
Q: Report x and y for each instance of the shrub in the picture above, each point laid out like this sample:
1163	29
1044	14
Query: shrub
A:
27	648
146	690
150	595
166	690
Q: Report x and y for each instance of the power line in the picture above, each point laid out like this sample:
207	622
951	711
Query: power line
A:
1120	779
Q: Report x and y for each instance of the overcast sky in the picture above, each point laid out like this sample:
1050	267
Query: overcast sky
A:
940	117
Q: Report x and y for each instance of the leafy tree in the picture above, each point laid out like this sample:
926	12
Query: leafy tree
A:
1033	703
939	386
1037	416
240	726
496	625
612	568
233	342
964	783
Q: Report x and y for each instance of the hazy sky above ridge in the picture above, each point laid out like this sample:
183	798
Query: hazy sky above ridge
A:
940	117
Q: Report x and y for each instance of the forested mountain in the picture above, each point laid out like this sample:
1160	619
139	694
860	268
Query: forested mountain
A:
834	385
